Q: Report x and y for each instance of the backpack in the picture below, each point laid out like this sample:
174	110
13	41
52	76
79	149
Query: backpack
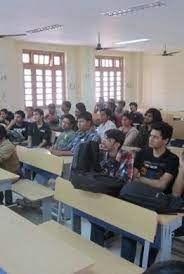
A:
151	198
15	136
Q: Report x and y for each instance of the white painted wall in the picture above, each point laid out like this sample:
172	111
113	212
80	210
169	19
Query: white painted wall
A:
79	73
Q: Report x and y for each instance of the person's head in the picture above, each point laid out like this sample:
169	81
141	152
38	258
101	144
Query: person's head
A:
160	135
152	115
3	113
126	120
29	111
133	106
101	100
111	105
120	106
38	115
3	133
9	116
52	108
169	267
68	122
66	106
85	121
19	116
105	115
113	140
79	109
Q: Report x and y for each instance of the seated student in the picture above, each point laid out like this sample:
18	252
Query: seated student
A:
111	105
51	118
67	124
128	130
65	107
119	112
19	126
137	117
79	109
3	115
169	267
155	166
39	133
178	187
99	105
116	163
85	133
8	161
9	118
106	122
29	114
151	116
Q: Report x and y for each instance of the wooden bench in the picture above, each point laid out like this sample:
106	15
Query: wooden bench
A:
105	261
117	213
34	192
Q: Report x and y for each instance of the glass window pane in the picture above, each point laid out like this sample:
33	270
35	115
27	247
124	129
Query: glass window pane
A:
27	72
48	72
39	78
39	90
27	84
58	90
58	96
58	78
118	92
29	103
111	78
48	78
58	84
97	73
105	78
58	72
105	84
58	102
103	63
97	78
48	96
111	73
46	59
112	94
96	62
111	84
41	59
105	74
39	72
28	91
27	78
105	93
39	97
118	97
35	59
48	90
97	89
117	63
105	99
111	88
118	83
97	84
118	78
48	84
118	73
28	97
105	88
39	103
25	58
48	102
110	63
57	60
106	62
118	88
39	85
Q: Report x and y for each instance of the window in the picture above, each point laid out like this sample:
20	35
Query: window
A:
44	78
108	77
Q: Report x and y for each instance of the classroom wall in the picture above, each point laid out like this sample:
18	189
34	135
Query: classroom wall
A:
79	73
163	82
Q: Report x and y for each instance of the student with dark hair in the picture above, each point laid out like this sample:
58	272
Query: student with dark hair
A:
106	122
151	116
115	163
137	117
85	133
18	126
8	161
39	133
66	106
130	133
169	267
29	114
3	115
111	105
155	166
67	125
51	117
119	112
79	109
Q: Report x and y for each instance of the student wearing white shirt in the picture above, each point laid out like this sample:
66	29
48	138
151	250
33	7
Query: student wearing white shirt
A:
106	123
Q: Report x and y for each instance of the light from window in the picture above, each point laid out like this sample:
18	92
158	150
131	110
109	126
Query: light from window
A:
108	77
44	81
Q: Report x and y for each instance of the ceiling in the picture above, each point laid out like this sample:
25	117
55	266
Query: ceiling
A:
82	21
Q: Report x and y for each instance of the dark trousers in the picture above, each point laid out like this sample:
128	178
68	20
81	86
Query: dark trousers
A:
8	197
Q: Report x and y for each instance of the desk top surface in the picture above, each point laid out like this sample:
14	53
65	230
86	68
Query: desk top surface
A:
7	176
25	249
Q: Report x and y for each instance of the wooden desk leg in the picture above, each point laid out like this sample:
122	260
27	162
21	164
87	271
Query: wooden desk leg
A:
76	222
47	209
167	231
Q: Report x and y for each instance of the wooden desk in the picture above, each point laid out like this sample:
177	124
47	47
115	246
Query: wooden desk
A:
27	250
6	178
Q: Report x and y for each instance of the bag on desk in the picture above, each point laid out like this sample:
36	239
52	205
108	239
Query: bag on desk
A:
98	183
151	198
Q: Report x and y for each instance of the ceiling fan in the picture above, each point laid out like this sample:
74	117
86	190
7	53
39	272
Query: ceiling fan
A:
167	53
99	45
12	35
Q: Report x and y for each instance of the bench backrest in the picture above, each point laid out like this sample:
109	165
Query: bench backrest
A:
40	159
126	216
178	127
176	150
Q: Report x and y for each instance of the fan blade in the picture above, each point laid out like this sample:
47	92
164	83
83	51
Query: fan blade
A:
173	52
12	35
